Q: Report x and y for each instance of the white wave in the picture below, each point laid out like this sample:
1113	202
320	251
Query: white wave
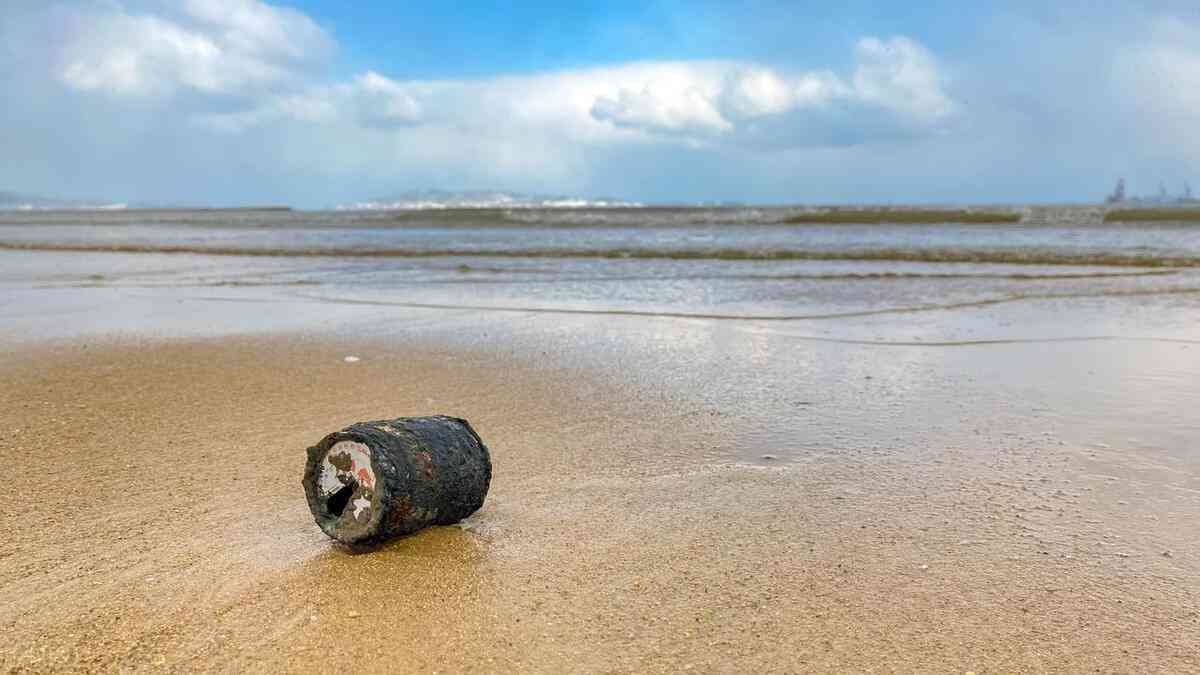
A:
435	200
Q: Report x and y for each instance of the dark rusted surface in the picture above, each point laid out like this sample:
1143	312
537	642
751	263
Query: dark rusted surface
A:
375	480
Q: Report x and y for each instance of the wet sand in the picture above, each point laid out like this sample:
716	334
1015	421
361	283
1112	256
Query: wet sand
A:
153	518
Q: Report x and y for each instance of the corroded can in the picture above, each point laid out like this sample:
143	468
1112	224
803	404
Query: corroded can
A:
375	480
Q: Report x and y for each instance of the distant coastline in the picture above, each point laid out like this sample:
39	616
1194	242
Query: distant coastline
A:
124	208
475	205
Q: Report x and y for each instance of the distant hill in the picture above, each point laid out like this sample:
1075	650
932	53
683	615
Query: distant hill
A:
478	199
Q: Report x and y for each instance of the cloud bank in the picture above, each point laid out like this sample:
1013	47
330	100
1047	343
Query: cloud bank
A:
247	48
227	99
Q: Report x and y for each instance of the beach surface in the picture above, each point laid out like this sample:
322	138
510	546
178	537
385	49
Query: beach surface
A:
893	479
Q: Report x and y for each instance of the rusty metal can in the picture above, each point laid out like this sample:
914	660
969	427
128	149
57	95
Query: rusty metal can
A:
375	480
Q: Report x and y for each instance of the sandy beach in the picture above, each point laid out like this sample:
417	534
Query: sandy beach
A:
154	519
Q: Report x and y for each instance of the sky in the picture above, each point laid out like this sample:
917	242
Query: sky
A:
315	102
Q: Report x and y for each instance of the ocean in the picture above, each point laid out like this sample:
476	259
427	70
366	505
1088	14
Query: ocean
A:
1047	235
736	263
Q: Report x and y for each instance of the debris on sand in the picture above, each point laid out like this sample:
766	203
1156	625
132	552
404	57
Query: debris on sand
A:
377	480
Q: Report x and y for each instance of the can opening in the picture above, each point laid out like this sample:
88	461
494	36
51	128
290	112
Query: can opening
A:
337	502
346	484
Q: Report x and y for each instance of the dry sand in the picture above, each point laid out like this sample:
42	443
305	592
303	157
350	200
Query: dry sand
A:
153	518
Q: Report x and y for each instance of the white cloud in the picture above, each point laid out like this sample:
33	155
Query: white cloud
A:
895	90
901	75
758	92
895	77
267	31
212	47
677	98
382	102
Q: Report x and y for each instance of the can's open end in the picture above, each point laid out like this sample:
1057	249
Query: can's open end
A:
347	498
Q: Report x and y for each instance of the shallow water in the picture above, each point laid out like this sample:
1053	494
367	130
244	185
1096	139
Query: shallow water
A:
1065	236
727	304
